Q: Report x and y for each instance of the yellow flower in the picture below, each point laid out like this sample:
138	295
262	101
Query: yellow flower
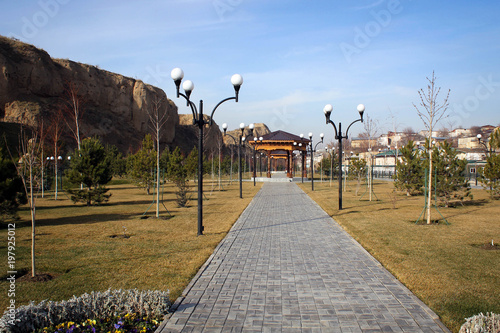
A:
154	322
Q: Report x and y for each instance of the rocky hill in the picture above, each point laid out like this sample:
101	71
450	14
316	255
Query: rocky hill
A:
34	86
258	131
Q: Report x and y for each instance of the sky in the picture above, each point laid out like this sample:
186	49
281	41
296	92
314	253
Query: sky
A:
295	56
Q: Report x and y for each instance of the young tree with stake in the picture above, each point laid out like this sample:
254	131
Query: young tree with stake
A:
431	112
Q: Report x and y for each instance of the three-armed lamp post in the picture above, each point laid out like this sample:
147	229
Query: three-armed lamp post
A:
177	75
312	156
338	136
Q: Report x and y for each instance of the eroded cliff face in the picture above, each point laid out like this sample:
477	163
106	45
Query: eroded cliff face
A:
33	86
259	130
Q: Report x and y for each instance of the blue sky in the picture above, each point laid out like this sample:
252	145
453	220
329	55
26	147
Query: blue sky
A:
295	56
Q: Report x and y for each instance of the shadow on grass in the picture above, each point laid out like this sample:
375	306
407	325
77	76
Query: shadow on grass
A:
110	204
344	212
81	219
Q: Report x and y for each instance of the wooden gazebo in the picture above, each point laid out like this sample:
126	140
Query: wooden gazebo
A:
281	145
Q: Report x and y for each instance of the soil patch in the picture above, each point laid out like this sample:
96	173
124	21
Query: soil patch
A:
40	277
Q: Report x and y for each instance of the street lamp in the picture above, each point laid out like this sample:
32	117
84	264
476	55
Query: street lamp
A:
338	136
242	128
489	152
254	160
177	75
312	156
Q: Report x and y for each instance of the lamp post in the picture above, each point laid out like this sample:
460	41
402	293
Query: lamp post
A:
370	175
312	156
302	160
338	136
332	154
489	152
240	139
177	75
254	158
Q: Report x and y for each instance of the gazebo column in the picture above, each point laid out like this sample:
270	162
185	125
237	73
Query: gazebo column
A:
289	164
268	164
304	171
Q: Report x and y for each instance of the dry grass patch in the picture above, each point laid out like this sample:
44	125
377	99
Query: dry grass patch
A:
444	265
95	248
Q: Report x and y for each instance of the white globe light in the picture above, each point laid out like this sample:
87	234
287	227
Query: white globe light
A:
177	74
224	126
310	134
361	108
242	125
251	126
188	85
236	80
328	108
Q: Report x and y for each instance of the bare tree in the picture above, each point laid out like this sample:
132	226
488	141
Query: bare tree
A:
475	130
158	117
444	132
220	145
55	133
74	110
43	133
28	168
371	130
431	113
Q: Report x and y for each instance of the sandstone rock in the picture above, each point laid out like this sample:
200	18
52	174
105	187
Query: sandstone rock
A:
32	86
258	131
187	135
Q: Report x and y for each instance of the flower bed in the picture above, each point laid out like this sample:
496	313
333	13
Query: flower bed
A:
111	310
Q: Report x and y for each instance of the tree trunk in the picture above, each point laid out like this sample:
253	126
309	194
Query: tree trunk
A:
157	173
33	220
429	198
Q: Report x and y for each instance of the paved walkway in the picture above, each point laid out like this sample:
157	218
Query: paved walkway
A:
286	266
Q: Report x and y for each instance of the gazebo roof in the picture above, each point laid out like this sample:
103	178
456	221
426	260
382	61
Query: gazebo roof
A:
283	136
280	140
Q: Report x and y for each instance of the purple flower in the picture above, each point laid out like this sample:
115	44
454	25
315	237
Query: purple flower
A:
93	330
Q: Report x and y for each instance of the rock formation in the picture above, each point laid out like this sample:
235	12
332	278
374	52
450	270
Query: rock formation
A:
258	131
186	135
33	86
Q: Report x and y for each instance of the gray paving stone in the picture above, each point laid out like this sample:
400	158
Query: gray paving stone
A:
286	266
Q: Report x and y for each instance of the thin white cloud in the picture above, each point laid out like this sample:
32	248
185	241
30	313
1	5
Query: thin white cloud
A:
369	6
